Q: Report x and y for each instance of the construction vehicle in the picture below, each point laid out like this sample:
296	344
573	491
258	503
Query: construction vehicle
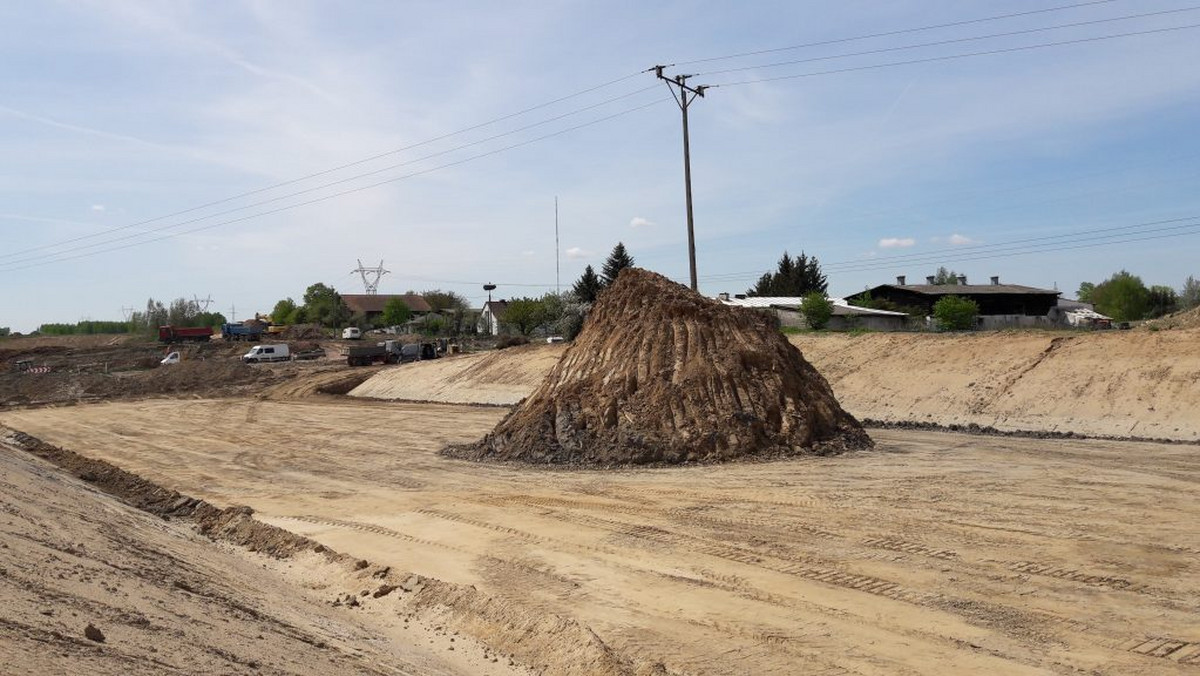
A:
247	331
184	334
418	352
387	352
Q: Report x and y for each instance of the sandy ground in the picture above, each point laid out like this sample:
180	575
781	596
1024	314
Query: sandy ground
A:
1117	383
1111	383
933	553
501	377
165	600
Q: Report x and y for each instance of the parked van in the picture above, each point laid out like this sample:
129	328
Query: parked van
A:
351	333
172	358
267	353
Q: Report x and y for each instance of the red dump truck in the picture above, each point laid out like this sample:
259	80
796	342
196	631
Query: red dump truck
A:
184	334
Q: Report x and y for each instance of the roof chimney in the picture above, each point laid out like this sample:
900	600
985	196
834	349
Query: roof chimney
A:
996	280
900	280
929	280
962	279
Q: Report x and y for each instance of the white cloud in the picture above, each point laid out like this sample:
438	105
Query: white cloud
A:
528	253
960	240
97	207
639	222
896	242
576	253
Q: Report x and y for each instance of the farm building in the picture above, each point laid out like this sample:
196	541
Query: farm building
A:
371	305
1000	305
845	315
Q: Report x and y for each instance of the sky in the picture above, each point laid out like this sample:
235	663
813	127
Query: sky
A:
244	150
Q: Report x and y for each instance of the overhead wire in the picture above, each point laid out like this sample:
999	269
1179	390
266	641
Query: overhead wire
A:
949	57
951	41
903	31
1173	227
58	258
141	233
332	170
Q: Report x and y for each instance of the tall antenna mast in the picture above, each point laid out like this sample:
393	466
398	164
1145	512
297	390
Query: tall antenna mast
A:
371	283
557	281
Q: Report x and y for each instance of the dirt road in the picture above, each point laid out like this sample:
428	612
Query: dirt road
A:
933	553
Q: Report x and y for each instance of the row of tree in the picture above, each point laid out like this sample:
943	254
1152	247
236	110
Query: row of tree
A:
1125	297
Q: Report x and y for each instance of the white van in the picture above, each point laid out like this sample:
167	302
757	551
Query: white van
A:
267	353
172	358
351	333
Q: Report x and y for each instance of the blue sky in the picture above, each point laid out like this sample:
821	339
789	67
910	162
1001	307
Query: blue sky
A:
121	121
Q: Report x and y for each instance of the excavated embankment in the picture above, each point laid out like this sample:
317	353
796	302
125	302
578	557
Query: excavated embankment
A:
662	375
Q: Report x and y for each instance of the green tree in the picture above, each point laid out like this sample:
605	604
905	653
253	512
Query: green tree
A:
1086	289
1123	297
323	305
1189	295
524	315
617	261
1163	301
284	312
955	313
5	331
440	301
396	312
793	277
588	286
944	276
817	310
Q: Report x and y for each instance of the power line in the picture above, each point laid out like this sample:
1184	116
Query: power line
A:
949	57
306	190
902	31
331	170
940	43
1174	227
5	267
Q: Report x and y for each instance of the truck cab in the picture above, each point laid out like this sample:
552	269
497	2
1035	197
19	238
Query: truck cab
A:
351	333
261	353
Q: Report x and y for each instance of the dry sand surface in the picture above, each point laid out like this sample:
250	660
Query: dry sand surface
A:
91	585
499	377
932	553
1117	383
1114	383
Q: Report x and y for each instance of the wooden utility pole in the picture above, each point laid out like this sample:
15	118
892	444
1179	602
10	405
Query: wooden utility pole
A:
684	96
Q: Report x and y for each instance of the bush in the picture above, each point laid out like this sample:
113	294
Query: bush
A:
955	313
817	310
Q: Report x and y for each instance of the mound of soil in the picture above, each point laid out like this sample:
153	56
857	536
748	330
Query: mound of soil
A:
1184	319
663	375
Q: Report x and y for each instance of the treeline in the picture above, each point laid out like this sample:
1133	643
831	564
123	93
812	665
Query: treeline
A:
1125	297
84	328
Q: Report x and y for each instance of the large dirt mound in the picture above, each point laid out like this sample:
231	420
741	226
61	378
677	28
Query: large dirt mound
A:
662	375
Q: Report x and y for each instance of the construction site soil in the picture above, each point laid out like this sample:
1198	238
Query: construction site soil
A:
662	375
931	553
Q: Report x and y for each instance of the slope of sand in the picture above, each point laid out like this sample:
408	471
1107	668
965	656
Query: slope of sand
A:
500	377
1116	383
934	553
166	600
